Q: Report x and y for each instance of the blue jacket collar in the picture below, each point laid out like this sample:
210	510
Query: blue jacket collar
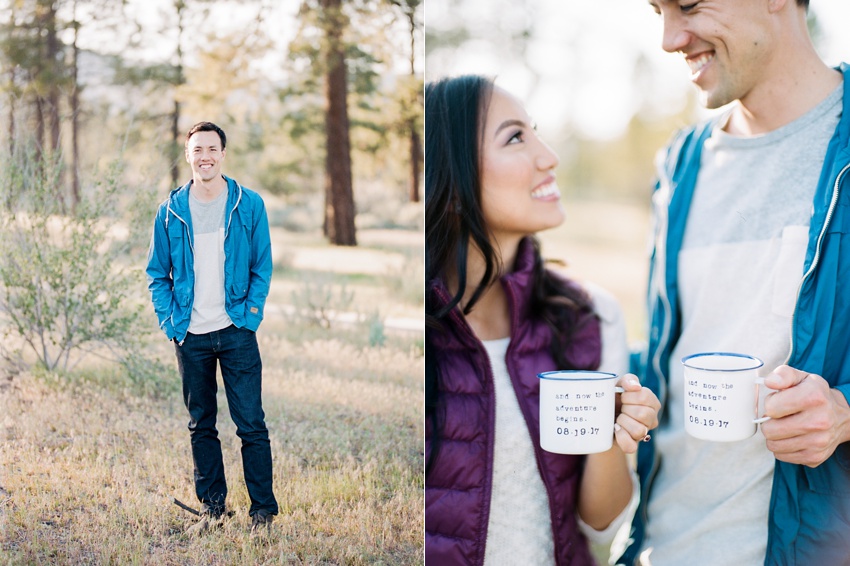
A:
178	199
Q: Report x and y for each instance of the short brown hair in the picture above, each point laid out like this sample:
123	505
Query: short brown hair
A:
206	127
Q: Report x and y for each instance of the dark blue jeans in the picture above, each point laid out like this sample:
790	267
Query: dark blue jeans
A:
236	351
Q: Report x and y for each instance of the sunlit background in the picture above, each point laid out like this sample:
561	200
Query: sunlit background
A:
606	97
142	70
583	66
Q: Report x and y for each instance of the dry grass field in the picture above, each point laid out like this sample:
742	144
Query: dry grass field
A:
89	463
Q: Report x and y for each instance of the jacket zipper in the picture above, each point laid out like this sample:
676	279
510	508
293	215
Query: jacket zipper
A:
232	210
191	246
185	225
227	228
491	441
833	203
661	278
666	179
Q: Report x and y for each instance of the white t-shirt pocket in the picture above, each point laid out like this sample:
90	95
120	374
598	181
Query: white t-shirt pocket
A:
789	269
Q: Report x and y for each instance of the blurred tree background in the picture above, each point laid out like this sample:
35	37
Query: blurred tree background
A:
321	101
595	79
91	82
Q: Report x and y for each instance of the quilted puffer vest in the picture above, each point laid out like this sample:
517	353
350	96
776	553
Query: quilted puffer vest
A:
457	488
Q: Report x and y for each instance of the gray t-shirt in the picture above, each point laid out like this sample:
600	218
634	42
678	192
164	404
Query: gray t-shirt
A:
208	313
739	269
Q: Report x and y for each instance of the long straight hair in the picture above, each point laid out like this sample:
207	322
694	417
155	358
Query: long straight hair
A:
455	113
455	110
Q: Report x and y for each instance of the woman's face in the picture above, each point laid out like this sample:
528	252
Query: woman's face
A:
519	195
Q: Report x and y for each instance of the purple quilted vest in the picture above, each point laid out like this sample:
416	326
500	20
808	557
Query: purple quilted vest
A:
457	489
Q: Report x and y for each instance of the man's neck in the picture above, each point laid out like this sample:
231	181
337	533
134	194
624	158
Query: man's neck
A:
804	82
206	191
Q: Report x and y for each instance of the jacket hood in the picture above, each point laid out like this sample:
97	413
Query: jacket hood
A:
843	129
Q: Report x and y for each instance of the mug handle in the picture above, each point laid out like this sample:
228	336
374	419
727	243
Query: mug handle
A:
760	382
618	389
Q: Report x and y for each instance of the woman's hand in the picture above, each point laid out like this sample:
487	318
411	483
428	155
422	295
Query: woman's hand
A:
637	415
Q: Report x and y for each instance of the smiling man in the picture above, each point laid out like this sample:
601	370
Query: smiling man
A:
751	211
209	269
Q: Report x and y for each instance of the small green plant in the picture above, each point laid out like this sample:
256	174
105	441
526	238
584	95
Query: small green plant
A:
321	301
377	337
64	290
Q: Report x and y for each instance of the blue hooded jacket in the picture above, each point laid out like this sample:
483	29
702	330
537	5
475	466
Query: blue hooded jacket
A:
809	521
247	260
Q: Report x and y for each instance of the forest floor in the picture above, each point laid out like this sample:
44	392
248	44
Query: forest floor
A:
89	463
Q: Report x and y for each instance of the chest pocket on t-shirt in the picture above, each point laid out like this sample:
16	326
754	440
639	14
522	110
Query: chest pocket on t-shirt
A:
789	269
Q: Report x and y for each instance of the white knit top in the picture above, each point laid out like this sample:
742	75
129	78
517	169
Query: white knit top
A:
520	528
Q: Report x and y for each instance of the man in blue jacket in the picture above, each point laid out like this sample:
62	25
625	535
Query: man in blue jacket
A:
751	212
209	269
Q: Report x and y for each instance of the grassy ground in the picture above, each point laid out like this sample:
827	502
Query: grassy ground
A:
88	465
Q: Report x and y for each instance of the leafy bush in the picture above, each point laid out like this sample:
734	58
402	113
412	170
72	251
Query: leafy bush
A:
377	336
320	300
66	289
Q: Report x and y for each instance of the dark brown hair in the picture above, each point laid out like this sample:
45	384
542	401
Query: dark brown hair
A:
206	127
455	111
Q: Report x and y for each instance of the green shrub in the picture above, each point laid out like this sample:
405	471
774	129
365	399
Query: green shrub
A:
320	300
377	336
66	289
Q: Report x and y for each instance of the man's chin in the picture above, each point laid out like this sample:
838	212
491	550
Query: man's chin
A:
715	98
207	176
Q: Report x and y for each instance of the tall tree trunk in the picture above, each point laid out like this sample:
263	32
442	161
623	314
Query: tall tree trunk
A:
12	108
415	141
42	67
12	91
12	129
39	130
52	78
75	114
339	196
415	157
176	145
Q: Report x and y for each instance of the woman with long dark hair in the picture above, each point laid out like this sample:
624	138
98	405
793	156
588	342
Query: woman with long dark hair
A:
496	317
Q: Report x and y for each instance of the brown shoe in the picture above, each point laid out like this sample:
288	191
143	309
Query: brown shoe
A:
262	519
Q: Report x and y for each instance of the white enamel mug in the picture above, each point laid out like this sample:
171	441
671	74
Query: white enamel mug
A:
721	395
577	411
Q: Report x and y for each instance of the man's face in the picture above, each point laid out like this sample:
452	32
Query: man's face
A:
726	44
204	154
